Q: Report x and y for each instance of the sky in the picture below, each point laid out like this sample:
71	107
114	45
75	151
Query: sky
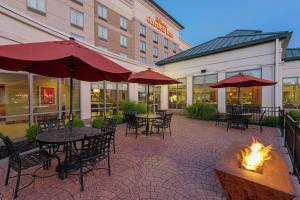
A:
206	19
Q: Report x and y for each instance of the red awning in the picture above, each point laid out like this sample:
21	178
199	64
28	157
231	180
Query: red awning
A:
58	58
151	77
242	80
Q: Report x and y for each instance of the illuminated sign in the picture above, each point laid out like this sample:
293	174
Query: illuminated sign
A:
160	25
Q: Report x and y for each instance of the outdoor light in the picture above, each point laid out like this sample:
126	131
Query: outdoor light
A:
252	157
96	90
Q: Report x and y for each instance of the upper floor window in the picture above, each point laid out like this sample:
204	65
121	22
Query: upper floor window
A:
123	23
123	41
143	46
102	11
155	52
77	37
143	60
102	32
80	2
166	54
76	18
143	30
166	42
38	5
155	37
174	47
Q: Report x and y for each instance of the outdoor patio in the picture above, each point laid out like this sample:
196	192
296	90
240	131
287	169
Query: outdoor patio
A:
178	167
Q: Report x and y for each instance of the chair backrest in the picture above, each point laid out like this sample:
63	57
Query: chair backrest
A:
235	115
161	112
130	119
110	123
167	119
51	124
97	145
13	154
43	126
131	112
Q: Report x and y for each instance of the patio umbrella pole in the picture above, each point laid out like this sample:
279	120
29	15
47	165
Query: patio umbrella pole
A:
239	91
71	96
148	100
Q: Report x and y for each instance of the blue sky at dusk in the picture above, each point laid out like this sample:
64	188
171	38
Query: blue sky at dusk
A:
207	19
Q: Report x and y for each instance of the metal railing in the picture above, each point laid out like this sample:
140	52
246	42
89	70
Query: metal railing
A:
292	142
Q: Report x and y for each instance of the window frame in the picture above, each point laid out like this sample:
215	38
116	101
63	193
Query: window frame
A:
166	43
155	52
141	49
74	24
121	24
35	9
155	39
99	7
143	30
126	39
100	36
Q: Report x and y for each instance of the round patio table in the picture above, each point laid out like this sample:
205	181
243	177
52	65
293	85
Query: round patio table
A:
148	117
65	137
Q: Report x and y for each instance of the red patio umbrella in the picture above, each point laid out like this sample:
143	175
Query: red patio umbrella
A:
242	80
61	59
151	77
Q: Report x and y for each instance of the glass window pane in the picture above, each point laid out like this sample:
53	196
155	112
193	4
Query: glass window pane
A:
202	93
142	94
111	98
97	98
65	97
290	92
14	101
123	92
45	97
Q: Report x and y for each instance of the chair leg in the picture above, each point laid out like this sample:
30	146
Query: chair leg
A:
163	134
17	184
81	178
114	144
7	174
126	130
108	163
170	131
136	132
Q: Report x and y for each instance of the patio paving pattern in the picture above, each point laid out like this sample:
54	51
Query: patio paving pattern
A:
179	167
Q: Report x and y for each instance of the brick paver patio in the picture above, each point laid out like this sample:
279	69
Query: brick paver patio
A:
178	167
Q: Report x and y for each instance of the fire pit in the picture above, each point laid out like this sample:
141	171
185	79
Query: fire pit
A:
254	172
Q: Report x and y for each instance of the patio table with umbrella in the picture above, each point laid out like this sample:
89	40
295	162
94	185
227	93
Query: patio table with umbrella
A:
150	77
242	80
61	59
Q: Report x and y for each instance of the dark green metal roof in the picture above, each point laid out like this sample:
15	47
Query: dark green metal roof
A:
292	54
233	40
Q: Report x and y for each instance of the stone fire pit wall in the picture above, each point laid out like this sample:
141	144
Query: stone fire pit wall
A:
240	184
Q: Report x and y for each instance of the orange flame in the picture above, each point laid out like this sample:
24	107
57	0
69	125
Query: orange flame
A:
253	157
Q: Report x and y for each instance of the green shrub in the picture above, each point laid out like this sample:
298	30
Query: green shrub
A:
295	114
77	122
272	121
98	122
119	118
201	111
32	132
141	108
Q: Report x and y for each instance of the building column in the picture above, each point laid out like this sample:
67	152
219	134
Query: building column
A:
164	96
85	100
278	74
268	97
189	90
133	92
221	94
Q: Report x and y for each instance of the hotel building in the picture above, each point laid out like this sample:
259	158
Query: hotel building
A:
152	34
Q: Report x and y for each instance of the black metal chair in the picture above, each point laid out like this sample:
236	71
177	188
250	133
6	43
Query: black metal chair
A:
237	119
261	120
163	124
93	150
19	162
221	117
161	112
132	122
110	124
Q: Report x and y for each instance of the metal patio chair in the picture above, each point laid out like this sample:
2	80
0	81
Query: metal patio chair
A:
19	162
163	124
132	122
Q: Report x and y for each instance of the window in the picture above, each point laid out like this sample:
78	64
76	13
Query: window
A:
77	37
291	92
143	60
155	37
174	47
166	43
80	2
202	93
102	32
166	54
248	95
102	11
154	96
177	95
37	5
123	41
65	97
124	55
103	48
143	46
76	18
155	52
143	30
123	23
106	97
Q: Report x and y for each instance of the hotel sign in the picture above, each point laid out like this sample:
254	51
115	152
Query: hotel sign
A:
160	25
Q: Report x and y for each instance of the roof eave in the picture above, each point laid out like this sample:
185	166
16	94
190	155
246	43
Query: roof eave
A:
251	43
